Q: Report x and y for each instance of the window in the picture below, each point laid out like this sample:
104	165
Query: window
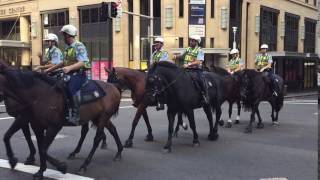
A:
268	27
212	8
307	1
180	42
211	42
181	6
315	2
310	36
291	32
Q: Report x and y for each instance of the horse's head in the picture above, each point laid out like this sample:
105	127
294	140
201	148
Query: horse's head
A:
243	83
112	76
155	87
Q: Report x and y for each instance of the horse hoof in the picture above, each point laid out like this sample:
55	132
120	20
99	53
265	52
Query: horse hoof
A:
62	167
30	161
260	125
128	144
275	123
236	122
185	126
13	162
149	138
38	176
117	157
71	156
248	130
166	150
213	137
104	145
195	143
228	125
82	170
221	122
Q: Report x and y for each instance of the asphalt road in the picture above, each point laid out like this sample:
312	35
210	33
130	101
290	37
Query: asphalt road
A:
287	151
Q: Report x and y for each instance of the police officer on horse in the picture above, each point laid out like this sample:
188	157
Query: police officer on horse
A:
53	54
75	62
264	64
235	63
193	58
159	55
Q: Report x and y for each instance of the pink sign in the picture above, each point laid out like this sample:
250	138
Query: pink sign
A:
98	72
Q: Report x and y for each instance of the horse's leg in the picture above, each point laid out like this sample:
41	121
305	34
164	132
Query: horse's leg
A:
136	119
180	122
238	115
260	124
113	131
229	123
192	123
96	142
26	132
208	112
16	125
171	115
104	141
215	134
84	131
44	141
252	118
149	136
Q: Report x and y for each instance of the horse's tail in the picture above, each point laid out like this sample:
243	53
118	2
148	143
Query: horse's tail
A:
115	114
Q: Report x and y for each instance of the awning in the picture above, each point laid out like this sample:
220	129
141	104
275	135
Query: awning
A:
14	44
205	50
292	54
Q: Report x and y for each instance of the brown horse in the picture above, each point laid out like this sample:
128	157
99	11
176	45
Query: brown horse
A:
135	81
46	106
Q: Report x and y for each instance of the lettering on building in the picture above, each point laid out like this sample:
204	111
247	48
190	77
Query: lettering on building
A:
10	11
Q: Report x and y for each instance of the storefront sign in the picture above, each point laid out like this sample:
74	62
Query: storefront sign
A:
197	1
199	30
10	11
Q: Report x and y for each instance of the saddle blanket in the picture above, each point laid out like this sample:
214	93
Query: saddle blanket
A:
91	91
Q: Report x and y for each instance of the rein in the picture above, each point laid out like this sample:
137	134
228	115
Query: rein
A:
172	82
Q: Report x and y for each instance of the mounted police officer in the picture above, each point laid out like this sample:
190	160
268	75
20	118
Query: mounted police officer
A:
264	64
75	62
53	54
159	55
193	58
235	63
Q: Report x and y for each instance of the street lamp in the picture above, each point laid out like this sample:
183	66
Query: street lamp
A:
234	37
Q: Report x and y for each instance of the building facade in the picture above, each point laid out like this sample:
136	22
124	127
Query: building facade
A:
288	26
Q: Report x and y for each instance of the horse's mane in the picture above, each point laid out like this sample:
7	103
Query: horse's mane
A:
163	64
26	79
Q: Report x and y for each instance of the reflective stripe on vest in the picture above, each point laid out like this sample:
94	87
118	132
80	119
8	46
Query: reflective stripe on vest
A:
70	56
191	54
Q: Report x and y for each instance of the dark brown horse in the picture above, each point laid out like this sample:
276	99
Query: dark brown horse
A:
46	106
231	93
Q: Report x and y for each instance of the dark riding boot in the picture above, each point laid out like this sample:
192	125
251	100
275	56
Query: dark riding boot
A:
204	93
274	86
74	116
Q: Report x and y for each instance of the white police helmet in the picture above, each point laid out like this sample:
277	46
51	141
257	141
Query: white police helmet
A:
264	46
196	37
234	51
159	39
51	37
69	29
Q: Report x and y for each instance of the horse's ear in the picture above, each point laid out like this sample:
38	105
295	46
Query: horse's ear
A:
106	69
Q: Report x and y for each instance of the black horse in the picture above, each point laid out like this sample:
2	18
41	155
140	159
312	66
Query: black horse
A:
176	88
231	92
254	88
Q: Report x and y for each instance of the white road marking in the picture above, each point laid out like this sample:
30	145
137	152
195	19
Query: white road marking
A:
126	99
315	113
125	107
274	178
58	136
48	173
4	118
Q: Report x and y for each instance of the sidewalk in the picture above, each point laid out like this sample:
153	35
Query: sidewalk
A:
127	94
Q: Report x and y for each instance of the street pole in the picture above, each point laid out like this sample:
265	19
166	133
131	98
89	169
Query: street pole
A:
234	37
151	30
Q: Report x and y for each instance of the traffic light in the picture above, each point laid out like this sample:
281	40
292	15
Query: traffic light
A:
109	10
113	10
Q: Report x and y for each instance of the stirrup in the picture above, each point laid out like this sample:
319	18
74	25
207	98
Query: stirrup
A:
275	93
